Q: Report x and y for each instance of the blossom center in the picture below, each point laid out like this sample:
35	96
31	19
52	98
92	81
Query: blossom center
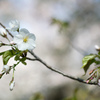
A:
25	39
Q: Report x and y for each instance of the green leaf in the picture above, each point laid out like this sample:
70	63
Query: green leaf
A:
1	53
23	61
15	65
17	57
37	96
87	61
7	55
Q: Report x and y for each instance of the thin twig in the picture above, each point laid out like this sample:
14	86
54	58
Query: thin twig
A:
31	59
59	72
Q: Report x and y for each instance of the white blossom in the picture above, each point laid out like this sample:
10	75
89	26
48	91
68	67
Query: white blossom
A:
3	32
6	68
14	25
11	85
97	47
25	40
99	82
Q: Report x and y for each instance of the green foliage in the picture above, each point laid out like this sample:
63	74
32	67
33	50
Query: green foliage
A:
74	97
18	57
7	55
1	53
23	61
37	96
87	61
62	24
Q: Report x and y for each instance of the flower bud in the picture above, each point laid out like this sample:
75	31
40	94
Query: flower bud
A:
87	81
3	32
12	84
97	47
6	69
91	71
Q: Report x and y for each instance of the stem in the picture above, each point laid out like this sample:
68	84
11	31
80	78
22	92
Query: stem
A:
13	74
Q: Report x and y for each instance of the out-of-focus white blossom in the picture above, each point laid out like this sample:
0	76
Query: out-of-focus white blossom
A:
11	85
3	32
98	82
14	25
6	69
97	47
25	40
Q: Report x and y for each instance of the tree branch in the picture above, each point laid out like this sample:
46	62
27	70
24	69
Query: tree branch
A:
59	72
31	59
49	67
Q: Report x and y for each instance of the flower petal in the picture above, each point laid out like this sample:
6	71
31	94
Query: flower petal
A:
23	46
23	30
32	36
18	39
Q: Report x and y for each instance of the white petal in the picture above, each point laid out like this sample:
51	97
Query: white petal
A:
23	46
23	30
18	39
32	36
32	43
31	46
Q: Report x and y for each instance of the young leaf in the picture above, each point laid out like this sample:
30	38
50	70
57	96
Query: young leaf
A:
23	61
87	61
1	53
7	55
17	57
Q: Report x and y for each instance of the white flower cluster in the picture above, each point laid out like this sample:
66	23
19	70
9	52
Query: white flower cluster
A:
23	41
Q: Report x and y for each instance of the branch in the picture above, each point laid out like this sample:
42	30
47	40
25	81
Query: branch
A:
31	59
49	67
59	72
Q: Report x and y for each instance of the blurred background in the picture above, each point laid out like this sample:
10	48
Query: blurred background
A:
66	31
